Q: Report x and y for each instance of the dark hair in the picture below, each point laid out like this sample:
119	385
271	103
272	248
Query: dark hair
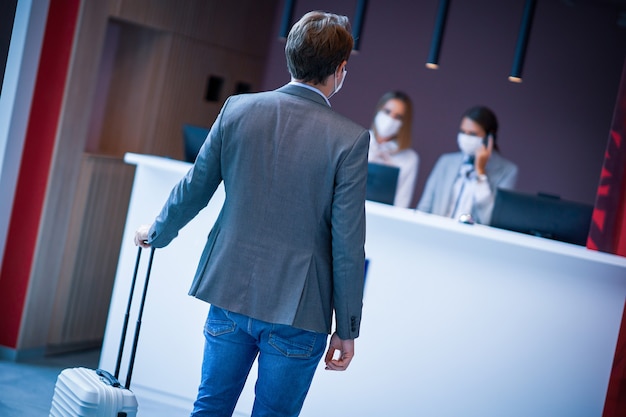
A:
487	119
316	45
404	135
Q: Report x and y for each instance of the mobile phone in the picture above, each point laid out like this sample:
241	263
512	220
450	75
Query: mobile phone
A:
486	140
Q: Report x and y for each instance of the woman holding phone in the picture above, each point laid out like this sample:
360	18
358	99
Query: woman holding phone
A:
463	184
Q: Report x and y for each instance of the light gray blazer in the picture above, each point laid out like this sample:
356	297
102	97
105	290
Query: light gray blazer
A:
288	245
501	173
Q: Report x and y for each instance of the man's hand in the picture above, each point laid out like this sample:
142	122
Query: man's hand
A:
141	236
346	353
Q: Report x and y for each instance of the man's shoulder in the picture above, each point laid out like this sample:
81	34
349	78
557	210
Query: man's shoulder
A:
350	125
272	98
251	97
320	113
301	101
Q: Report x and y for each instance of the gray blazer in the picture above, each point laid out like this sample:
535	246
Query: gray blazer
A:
501	173
288	245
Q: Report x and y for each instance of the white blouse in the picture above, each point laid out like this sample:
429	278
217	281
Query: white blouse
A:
407	160
470	194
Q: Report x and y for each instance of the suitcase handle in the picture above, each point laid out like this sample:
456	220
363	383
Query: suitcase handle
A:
108	378
125	326
126	316
140	314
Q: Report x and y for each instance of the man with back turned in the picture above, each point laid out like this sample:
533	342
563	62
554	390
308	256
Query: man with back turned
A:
287	250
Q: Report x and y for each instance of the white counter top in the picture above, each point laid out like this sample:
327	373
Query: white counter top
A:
459	320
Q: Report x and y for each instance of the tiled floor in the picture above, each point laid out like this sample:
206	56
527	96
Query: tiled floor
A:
26	388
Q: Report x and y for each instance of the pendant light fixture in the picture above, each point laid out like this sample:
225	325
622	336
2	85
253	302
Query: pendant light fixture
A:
285	23
357	27
440	25
522	41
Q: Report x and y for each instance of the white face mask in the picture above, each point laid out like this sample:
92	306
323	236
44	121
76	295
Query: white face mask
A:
386	126
338	87
469	144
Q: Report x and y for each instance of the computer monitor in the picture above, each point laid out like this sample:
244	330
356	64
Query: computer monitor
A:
193	138
542	215
382	181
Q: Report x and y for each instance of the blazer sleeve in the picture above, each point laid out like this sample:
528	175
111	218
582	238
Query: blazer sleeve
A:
194	190
348	238
509	178
505	177
427	200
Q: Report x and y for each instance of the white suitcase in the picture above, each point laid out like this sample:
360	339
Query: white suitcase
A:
83	392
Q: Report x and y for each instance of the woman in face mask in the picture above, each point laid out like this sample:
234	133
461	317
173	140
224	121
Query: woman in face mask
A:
464	183
390	142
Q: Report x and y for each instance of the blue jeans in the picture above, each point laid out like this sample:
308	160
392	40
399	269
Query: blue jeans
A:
288	358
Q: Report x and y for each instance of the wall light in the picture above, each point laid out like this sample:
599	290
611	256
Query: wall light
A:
357	27
440	24
522	42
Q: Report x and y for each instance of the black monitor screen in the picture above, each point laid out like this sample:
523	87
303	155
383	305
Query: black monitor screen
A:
542	215
193	138
382	181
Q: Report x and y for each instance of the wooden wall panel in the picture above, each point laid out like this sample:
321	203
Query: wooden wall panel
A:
241	25
91	252
166	15
183	98
64	174
134	89
160	72
164	53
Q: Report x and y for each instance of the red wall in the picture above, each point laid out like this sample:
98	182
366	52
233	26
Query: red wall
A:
34	170
609	217
608	234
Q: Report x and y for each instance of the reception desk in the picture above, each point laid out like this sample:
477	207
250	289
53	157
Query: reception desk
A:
458	320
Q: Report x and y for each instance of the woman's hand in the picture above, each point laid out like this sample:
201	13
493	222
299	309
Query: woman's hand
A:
482	156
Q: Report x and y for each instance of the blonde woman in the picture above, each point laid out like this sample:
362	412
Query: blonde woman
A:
390	142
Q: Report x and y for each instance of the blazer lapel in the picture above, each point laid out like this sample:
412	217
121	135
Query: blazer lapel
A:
451	173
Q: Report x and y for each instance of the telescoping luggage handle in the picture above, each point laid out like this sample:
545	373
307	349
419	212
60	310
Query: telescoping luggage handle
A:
113	379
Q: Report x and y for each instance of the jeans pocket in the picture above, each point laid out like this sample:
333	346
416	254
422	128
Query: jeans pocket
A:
292	342
218	323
